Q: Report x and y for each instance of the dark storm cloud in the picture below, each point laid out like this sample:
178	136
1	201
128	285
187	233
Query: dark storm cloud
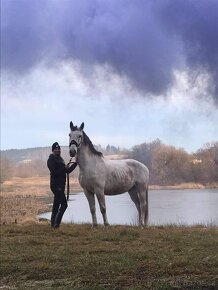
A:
196	23
142	40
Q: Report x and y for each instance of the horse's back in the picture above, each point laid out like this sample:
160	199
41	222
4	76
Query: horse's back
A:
126	163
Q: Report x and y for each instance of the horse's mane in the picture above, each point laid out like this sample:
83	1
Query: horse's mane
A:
88	142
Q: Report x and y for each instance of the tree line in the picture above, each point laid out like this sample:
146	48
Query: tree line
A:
168	165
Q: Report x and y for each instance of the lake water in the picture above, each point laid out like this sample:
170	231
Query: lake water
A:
181	207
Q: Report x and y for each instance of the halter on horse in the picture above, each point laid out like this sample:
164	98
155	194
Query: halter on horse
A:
102	177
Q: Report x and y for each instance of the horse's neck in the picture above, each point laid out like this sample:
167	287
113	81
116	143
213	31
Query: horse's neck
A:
85	158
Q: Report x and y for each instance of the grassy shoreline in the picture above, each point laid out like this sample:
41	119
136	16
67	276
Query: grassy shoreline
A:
119	257
23	199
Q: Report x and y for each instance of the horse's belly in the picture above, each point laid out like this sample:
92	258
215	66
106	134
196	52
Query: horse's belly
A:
117	189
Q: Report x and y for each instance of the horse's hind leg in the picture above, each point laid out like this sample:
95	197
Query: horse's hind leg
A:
133	192
143	198
91	199
101	200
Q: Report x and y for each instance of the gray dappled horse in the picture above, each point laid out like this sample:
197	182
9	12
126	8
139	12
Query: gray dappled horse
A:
108	177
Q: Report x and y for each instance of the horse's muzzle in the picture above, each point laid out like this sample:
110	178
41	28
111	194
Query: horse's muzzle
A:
72	151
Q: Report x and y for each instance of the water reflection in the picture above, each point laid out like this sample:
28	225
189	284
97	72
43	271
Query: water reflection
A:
165	207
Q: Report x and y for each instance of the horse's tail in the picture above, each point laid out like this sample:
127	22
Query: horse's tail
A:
146	211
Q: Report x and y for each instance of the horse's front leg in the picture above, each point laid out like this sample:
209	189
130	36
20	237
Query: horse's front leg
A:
101	200
91	199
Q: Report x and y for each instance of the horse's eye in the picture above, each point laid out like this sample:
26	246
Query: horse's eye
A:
69	135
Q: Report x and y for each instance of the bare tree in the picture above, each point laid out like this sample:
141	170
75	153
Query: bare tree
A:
6	169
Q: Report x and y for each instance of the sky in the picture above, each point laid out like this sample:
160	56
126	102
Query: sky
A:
132	71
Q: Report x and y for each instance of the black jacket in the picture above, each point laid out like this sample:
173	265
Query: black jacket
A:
58	172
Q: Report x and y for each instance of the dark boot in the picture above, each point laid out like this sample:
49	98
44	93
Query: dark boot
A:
53	216
58	219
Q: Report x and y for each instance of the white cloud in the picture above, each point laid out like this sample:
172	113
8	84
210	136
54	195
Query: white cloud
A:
37	108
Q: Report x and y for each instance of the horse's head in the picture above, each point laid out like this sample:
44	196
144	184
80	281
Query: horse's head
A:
76	138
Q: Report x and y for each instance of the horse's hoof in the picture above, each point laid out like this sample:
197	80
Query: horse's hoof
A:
94	226
106	224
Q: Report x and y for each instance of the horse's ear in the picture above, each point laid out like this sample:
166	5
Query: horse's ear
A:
71	126
82	126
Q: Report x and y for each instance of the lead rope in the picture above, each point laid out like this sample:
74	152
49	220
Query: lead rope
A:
68	182
68	186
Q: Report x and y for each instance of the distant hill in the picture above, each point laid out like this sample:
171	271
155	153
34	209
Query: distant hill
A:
38	153
42	153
